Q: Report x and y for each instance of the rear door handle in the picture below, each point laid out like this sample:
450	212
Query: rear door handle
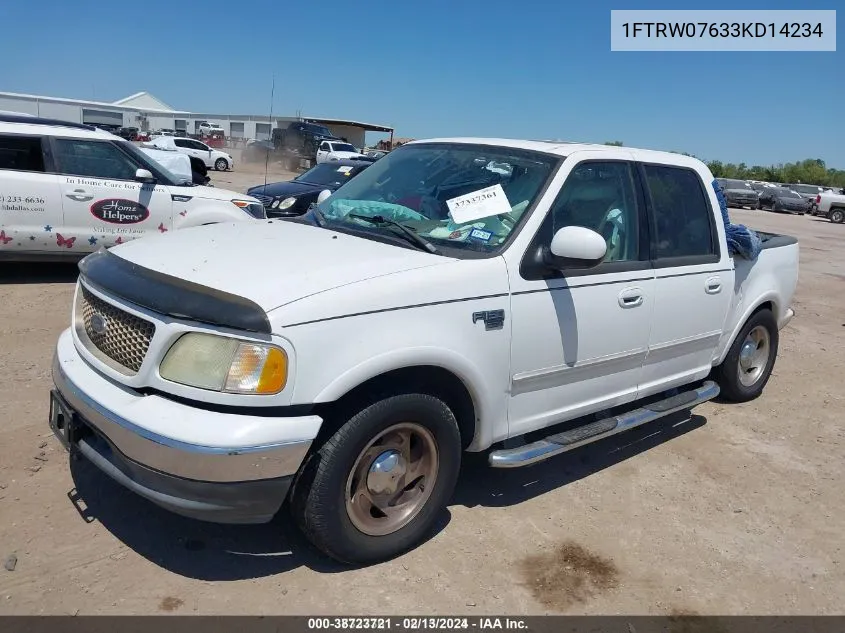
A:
631	297
713	285
80	195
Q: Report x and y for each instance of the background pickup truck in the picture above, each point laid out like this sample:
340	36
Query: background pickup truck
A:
517	297
830	205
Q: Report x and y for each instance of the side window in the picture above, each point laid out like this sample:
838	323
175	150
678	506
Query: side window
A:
21	153
98	159
179	142
200	146
325	147
682	212
600	196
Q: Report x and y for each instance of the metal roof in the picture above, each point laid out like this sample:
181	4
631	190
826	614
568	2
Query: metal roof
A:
370	127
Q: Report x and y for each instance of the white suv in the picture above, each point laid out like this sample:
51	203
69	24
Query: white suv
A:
68	189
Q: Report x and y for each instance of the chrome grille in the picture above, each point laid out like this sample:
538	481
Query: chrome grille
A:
265	200
119	339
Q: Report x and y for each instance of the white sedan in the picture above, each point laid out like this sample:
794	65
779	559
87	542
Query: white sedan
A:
213	158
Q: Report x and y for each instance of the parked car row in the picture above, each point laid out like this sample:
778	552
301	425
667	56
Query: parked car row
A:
794	198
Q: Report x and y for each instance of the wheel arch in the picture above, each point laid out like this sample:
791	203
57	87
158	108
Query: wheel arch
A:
362	386
765	302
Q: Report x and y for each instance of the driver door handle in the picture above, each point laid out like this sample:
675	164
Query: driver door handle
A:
631	298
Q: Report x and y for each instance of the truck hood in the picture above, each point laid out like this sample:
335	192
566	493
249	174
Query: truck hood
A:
271	263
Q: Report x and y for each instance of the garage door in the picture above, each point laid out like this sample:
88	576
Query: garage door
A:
237	129
102	117
262	131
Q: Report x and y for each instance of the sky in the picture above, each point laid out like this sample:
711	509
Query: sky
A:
430	68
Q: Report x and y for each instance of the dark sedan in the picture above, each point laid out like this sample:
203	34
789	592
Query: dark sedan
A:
738	193
781	199
292	198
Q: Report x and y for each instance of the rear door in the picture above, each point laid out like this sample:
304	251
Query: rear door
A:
30	200
694	277
103	203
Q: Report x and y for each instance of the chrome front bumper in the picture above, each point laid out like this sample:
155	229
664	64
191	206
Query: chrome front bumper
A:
240	484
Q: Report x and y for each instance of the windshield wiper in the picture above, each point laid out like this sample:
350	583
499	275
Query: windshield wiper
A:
379	220
319	218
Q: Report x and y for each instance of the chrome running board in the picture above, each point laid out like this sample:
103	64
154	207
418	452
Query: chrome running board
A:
595	431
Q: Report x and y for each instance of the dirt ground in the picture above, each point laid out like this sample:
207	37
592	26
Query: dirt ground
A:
737	510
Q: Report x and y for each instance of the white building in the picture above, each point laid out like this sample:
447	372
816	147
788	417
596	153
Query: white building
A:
144	111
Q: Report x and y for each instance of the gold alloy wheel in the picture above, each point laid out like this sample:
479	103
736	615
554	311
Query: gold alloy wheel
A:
392	479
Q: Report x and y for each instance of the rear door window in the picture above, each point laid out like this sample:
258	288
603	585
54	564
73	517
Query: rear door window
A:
682	216
21	153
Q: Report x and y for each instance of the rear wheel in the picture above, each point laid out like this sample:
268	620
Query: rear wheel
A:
837	216
750	360
375	488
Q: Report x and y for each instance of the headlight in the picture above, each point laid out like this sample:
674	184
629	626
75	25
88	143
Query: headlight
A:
218	363
255	209
287	203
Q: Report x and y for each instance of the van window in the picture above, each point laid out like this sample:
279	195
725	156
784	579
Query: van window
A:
97	159
682	213
21	153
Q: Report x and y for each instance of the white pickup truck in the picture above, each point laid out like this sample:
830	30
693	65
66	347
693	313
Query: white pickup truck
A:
830	205
68	189
431	305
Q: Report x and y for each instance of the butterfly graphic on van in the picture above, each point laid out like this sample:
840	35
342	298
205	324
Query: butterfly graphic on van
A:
3	238
64	241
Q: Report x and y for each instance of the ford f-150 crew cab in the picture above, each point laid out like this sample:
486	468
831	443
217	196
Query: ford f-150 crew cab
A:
517	297
68	189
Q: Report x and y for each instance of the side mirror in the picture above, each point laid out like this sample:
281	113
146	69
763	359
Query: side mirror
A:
325	193
577	247
144	175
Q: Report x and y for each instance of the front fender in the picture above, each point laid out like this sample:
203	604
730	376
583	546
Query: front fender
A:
212	214
470	375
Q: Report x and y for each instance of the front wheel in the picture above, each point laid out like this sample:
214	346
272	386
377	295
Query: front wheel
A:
748	365
375	488
221	165
837	216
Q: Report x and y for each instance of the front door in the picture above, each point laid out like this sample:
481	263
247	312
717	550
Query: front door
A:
103	203
694	278
323	152
580	336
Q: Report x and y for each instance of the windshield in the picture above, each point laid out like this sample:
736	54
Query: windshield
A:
344	147
329	174
162	174
786	193
736	184
466	197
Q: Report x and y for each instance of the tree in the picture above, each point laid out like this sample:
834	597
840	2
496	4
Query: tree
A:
614	143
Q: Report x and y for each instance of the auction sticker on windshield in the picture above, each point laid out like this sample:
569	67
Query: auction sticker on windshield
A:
344	169
479	204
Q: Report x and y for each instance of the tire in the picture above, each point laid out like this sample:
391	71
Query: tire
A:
759	206
221	164
837	216
734	376
338	472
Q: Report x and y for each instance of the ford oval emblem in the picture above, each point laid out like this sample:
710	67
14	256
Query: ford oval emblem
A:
99	325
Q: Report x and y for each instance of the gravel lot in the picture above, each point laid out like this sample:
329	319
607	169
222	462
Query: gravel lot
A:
736	510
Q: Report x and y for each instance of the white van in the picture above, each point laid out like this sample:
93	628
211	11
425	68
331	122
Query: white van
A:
68	189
